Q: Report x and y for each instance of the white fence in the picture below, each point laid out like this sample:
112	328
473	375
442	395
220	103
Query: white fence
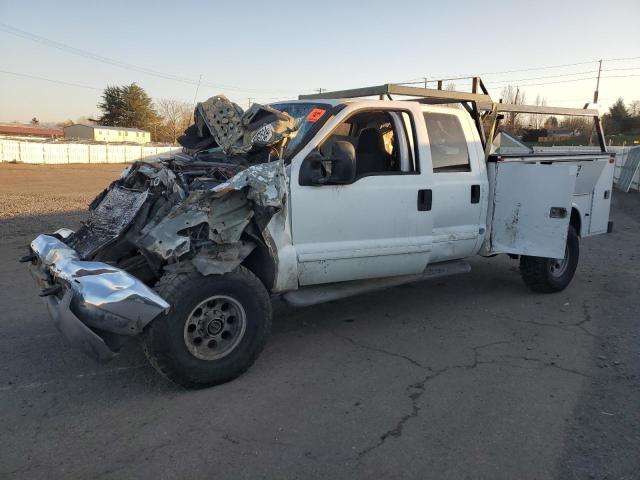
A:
59	153
621	158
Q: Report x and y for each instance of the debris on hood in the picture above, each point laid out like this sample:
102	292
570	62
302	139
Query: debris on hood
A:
206	208
238	132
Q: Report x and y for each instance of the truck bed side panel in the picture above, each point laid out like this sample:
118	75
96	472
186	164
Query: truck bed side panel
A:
601	201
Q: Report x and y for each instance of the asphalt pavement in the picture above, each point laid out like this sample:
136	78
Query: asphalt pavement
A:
465	377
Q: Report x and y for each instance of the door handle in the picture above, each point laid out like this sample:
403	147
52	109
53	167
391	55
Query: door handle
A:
424	200
475	193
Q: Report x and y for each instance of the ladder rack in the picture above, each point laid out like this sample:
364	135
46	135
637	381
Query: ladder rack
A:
478	103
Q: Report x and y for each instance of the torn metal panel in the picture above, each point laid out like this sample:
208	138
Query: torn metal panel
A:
221	259
267	183
277	236
163	239
229	216
108	220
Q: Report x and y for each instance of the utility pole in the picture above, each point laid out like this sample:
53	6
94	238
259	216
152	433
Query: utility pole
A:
320	90
425	81
195	97
249	98
595	94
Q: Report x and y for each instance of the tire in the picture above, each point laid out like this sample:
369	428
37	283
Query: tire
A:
188	345
548	275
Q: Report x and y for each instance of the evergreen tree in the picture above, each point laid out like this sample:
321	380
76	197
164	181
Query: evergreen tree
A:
618	120
112	107
127	106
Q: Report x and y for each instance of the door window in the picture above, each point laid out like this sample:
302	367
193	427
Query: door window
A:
380	141
449	151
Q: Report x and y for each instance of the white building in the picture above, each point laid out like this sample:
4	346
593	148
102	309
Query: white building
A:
100	133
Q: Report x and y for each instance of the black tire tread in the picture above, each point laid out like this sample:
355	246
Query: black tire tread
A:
169	288
535	273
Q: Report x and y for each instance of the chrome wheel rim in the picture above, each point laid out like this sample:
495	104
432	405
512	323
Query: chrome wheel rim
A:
558	266
215	327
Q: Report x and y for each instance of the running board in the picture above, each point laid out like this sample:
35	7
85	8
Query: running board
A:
311	295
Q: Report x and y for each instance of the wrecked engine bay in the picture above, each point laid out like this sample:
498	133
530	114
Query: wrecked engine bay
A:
203	210
208	209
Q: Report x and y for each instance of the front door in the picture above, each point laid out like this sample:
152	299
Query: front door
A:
377	226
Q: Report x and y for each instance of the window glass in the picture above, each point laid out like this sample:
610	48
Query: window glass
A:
449	152
380	142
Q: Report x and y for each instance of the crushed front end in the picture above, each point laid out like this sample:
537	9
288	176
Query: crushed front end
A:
205	209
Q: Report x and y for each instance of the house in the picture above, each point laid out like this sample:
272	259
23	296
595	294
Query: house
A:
19	130
101	133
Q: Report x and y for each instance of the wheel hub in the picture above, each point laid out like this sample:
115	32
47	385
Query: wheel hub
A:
215	327
557	266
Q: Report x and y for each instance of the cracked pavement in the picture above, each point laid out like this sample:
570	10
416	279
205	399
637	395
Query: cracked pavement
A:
471	376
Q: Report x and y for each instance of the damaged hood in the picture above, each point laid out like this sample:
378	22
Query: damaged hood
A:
204	209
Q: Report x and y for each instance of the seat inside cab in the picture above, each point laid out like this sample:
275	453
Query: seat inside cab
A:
376	137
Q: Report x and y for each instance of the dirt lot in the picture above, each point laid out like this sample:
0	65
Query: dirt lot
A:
470	376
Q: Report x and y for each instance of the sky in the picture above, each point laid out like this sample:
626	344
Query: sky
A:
271	51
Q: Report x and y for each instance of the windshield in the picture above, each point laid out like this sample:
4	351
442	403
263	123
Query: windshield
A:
307	116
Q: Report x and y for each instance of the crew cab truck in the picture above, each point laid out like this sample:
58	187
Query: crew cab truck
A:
367	194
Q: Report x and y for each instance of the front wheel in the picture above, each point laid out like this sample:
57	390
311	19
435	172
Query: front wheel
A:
549	275
215	329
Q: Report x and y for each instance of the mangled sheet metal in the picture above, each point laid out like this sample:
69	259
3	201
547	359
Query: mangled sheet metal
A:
238	132
222	258
266	184
108	220
204	210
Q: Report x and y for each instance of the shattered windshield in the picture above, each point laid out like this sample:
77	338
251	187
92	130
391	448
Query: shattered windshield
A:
306	115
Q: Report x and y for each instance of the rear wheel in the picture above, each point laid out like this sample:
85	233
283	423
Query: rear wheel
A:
214	331
549	275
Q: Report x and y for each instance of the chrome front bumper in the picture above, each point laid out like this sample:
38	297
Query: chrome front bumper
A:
90	302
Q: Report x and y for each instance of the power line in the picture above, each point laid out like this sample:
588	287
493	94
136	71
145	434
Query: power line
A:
128	66
50	80
418	80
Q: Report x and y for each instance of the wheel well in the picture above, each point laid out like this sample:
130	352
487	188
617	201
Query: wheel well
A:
576	220
261	264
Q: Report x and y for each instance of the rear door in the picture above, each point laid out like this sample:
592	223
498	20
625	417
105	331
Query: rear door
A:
531	207
460	184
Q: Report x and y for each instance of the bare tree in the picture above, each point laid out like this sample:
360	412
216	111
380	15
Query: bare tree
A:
513	95
175	118
536	120
634	108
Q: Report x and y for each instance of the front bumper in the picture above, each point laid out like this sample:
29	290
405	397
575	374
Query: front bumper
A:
91	303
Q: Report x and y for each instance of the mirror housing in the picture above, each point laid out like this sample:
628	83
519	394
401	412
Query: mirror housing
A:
343	166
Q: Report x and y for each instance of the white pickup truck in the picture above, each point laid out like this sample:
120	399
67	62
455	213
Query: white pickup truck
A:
352	195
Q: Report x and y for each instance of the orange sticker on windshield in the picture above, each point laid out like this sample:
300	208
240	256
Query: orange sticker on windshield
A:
315	115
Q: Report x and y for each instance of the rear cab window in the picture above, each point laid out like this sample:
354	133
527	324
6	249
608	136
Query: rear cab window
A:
448	144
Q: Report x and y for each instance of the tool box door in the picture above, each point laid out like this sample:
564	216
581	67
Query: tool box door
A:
531	208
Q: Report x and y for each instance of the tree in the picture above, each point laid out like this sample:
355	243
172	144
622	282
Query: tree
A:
175	118
618	120
512	95
112	107
634	108
581	125
536	120
551	122
128	106
35	121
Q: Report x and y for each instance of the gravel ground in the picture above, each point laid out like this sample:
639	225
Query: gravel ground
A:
467	377
27	190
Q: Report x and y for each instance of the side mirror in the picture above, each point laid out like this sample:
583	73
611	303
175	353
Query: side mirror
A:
342	170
